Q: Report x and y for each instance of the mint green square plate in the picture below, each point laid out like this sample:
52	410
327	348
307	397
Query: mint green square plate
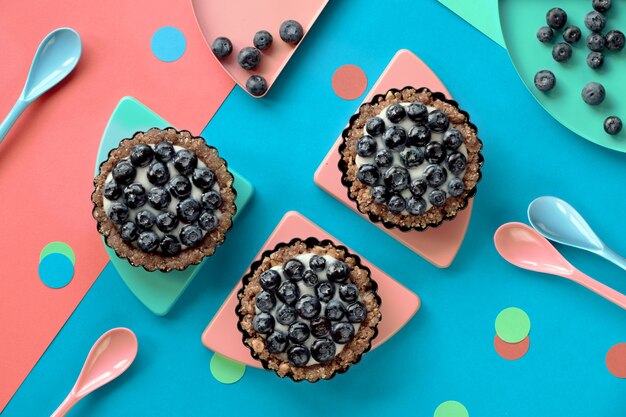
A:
158	291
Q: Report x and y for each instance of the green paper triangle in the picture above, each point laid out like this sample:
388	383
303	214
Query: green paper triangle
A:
482	14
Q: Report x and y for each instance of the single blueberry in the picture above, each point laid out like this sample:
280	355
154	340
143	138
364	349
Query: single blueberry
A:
595	60
256	85
325	291
291	32
222	47
418	186
348	292
593	93
418	136
613	125
317	263
437	198
269	279
286	315
191	235
366	146
572	34
601	5
323	350
417	112
595	21
298	355
159	198
288	292
320	327
452	138
375	126
310	278
188	210
416	205
379	194
368	174
545	80
456	163
456	187
208	221
342	332
265	301
556	18
596	42
395	113
129	232
203	178
185	161
124	172
435	175
308	306
211	200
262	40
545	34
396	178
167	221
356	312
276	342
248	58
615	40
298	332
148	241
435	153
396	203
412	156
111	191
383	158
170	246
337	271
294	269
145	219
135	195
141	155
562	52
179	187
263	323
158	173
164	151
438	121
394	137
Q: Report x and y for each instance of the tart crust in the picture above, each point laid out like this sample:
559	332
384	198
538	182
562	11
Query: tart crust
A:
361	194
189	256
352	351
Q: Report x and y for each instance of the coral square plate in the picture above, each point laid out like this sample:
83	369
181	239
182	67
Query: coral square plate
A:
437	245
158	291
398	306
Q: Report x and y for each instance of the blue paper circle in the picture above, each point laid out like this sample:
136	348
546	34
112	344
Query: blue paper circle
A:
56	270
168	44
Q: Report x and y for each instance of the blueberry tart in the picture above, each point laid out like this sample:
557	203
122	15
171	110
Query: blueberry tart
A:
410	159
164	199
308	309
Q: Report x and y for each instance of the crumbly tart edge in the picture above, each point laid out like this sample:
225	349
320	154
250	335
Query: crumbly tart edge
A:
361	194
359	274
190	256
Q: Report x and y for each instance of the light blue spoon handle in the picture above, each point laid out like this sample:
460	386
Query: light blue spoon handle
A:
15	112
613	257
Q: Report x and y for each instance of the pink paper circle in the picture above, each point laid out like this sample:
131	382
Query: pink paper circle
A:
511	351
616	360
349	82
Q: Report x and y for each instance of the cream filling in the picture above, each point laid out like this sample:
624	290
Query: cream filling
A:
415	172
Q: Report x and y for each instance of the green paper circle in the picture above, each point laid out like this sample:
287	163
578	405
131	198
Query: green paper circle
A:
512	325
451	409
225	370
58	247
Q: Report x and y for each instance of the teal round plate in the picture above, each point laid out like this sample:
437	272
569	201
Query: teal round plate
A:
520	20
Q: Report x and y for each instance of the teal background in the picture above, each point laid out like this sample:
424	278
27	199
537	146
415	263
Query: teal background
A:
446	351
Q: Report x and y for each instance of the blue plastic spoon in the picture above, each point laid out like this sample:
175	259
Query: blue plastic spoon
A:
556	220
55	58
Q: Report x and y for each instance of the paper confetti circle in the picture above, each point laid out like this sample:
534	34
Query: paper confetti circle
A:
616	360
512	325
225	370
58	247
56	270
168	44
349	82
511	351
451	409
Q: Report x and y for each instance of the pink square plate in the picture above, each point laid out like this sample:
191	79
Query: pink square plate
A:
398	307
239	20
437	245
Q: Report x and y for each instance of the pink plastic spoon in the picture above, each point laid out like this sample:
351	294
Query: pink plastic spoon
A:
109	357
522	246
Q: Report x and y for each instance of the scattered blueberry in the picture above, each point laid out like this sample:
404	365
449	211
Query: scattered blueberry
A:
269	280
379	194
456	163
222	47
438	121
265	301
435	153
188	210
141	155
167	221
416	205
452	138
456	187
276	342
263	323
256	85
356	312
308	306
191	235
111	191
396	178
317	263
596	42
348	292
294	269
179	187
545	80
320	326
249	57
593	93
203	178
366	146
123	172
562	52
208	221
262	40
368	174
145	219
418	136
384	158
394	137
595	21
325	291
595	60
164	151
148	241
418	187
613	125
286	315
572	34
158	173
435	175
135	195
601	5
615	40
129	232
298	332
323	350
375	126
291	32
298	355
159	198
170	246
556	18
211	200
288	292
395	113
310	278
396	203
337	271
185	161
545	34
437	197
412	156
342	332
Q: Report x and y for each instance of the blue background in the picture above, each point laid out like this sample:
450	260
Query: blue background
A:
446	351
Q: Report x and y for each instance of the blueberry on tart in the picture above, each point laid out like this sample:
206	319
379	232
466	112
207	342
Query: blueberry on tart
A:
410	159
164	199
308	309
